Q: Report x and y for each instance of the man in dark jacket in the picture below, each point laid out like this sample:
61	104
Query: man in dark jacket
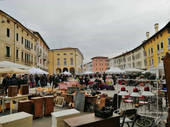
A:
14	80
6	83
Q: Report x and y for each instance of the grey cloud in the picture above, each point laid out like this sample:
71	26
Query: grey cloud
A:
97	27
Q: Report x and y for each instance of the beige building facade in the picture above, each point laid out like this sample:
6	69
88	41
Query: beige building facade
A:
41	52
65	59
135	58
17	43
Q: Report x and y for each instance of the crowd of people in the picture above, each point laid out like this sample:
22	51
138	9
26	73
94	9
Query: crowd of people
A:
53	80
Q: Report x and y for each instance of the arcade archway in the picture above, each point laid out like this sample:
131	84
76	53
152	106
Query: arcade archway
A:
58	70
65	69
72	70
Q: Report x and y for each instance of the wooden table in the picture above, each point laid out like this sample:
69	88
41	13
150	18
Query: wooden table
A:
11	99
91	121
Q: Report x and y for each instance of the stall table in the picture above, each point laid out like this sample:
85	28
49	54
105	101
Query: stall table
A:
90	120
11	99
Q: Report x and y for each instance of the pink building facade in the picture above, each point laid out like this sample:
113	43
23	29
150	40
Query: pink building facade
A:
99	64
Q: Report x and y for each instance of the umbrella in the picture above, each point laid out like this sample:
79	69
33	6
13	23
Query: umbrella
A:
12	71
147	92
135	93
123	92
149	71
88	72
115	70
5	64
66	73
37	71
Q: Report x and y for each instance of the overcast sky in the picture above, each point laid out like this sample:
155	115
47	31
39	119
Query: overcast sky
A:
96	27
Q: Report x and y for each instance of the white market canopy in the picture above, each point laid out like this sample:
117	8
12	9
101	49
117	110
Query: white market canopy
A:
88	72
66	73
149	71
130	70
115	70
6	64
12	70
37	71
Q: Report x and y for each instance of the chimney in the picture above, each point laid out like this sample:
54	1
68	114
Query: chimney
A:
147	35
156	27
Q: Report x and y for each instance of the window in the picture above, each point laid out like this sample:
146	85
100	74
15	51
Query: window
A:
58	62
17	36
71	61
65	61
8	32
151	51
22	55
149	62
152	62
7	51
31	45
159	60
17	53
169	43
22	40
58	54
8	21
158	47
65	54
162	45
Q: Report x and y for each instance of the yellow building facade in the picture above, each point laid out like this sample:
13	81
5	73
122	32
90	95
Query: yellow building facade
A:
65	59
17	43
157	46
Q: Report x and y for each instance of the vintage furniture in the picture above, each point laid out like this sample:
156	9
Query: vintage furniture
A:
89	103
79	101
12	91
59	101
11	99
25	106
91	121
58	117
24	89
48	105
126	120
16	120
101	102
37	106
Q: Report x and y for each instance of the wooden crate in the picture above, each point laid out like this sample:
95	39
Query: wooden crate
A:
20	119
48	105
38	106
24	89
25	106
58	117
12	91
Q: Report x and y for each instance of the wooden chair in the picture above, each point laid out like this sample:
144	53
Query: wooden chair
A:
126	117
59	101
